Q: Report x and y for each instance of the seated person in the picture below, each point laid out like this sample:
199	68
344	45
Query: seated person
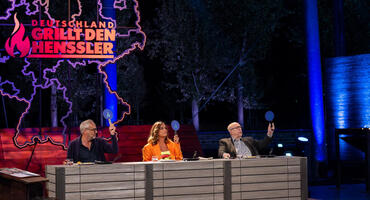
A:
160	146
243	146
89	148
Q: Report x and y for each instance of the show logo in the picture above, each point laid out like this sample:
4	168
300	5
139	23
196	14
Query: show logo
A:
62	39
43	43
18	42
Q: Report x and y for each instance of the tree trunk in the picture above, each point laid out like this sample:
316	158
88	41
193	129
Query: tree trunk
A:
5	115
195	114
182	113
339	39
101	100
54	106
137	112
240	102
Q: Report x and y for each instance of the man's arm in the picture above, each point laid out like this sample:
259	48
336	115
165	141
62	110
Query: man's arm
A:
111	148
70	151
222	152
72	155
262	144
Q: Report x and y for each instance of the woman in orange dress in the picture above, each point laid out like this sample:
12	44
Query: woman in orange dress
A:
160	146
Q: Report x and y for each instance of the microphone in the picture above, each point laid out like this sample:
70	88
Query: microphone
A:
117	157
271	150
195	154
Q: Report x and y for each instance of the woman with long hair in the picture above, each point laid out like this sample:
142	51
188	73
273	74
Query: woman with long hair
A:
160	146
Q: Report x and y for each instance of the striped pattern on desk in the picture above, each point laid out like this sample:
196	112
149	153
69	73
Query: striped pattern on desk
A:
116	181
188	180
274	178
260	178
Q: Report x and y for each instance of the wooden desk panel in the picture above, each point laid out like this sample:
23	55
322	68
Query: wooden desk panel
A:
279	177
16	188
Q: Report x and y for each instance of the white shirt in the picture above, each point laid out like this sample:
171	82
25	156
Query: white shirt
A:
241	148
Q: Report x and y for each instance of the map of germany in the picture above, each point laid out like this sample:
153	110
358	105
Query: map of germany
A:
128	37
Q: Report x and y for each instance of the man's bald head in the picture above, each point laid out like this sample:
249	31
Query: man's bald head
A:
235	130
232	125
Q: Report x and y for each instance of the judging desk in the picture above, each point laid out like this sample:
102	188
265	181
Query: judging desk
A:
253	178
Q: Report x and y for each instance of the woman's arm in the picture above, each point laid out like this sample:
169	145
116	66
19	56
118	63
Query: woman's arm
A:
178	152
147	153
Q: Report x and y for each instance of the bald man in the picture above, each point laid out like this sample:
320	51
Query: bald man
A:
243	146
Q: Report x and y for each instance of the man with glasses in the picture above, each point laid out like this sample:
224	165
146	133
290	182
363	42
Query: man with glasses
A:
238	146
89	148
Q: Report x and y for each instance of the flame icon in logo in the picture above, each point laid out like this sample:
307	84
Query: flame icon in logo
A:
17	42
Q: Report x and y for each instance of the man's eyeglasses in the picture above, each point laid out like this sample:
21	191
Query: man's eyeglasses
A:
237	127
93	129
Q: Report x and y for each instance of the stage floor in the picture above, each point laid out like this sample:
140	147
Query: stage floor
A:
347	191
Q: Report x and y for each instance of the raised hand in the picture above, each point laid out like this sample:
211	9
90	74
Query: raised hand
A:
271	129
176	138
112	129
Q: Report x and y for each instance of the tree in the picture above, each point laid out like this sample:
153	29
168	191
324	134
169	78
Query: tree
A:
78	89
131	83
250	29
199	44
180	39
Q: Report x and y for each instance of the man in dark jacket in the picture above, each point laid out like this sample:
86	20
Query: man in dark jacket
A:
243	146
89	148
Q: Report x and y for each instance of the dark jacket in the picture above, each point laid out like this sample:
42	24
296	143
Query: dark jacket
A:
101	147
226	145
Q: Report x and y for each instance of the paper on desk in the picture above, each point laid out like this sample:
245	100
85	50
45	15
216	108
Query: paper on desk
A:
17	172
203	158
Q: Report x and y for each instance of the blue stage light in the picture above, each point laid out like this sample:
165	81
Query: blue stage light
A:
348	91
288	154
303	139
314	78
110	69
280	145
347	94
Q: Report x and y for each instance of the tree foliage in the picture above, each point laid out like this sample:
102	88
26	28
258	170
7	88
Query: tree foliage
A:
130	82
199	43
